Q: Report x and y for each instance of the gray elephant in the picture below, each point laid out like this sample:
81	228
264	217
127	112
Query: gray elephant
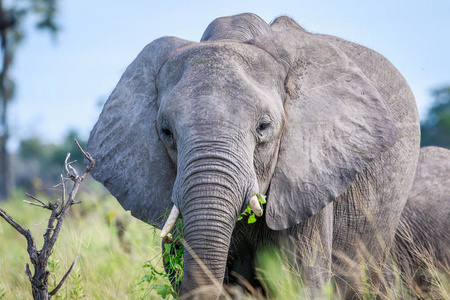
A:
326	128
423	237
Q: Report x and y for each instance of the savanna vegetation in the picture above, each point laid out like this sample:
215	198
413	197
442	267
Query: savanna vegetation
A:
120	258
112	248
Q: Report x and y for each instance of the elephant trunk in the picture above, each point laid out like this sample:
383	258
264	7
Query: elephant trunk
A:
212	188
206	241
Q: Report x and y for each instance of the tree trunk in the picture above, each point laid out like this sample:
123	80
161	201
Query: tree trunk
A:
5	171
40	294
5	186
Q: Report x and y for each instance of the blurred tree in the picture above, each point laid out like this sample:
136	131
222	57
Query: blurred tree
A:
435	129
12	18
37	163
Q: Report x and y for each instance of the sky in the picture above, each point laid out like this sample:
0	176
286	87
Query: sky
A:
63	82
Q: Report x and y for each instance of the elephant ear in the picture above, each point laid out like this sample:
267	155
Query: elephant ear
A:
336	124
131	161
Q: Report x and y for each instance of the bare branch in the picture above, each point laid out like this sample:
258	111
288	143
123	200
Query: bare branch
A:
49	229
31	245
73	172
62	215
65	163
88	157
63	194
71	200
28	272
36	199
26	233
35	204
52	293
40	223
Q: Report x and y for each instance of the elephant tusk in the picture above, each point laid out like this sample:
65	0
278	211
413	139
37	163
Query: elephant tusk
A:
255	206
171	220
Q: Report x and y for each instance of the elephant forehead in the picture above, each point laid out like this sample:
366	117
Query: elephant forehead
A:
222	62
221	81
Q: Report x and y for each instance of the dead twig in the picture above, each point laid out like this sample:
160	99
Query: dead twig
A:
63	193
36	199
31	245
52	293
59	210
35	204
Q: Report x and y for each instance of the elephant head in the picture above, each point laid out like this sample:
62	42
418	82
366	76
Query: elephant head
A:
252	108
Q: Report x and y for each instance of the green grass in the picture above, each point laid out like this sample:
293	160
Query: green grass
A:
115	250
108	266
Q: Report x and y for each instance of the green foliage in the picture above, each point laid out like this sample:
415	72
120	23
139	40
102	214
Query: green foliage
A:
43	12
2	292
52	154
435	130
46	9
173	258
282	281
153	278
72	288
52	266
76	289
156	278
248	211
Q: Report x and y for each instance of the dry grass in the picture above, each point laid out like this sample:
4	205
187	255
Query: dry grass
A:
110	263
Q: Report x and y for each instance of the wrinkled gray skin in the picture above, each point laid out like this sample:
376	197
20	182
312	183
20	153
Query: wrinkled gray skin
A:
326	128
425	222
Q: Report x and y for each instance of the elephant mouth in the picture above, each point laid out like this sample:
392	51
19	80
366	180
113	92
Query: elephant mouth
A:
254	206
173	250
173	247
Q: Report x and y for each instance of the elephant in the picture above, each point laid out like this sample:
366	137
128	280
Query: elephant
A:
327	129
422	239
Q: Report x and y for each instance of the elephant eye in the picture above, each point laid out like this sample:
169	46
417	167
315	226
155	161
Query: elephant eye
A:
263	126
165	129
167	135
263	132
166	132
